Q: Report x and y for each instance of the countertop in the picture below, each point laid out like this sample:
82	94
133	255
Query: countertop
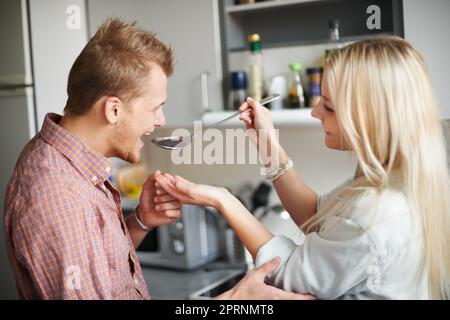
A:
165	284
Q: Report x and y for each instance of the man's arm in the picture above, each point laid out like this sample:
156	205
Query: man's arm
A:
137	234
59	245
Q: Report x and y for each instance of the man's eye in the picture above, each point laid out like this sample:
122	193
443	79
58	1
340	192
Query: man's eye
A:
154	109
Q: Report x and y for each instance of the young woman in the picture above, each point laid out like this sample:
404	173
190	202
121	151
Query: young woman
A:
384	233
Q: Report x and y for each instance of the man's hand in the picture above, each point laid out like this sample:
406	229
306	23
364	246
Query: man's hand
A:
156	206
252	286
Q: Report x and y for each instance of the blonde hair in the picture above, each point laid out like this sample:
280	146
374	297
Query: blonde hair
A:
389	118
114	62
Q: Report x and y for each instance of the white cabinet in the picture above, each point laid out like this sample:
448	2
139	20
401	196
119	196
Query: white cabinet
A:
192	29
38	47
58	34
426	27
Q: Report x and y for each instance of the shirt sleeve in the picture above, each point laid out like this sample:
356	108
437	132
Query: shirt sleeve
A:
323	198
57	243
325	266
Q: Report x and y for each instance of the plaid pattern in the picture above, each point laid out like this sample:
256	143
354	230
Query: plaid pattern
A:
65	232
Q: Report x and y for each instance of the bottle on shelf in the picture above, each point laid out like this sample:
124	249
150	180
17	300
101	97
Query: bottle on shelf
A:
314	81
238	92
256	74
334	39
296	97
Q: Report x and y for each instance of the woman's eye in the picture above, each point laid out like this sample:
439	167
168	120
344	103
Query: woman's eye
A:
327	108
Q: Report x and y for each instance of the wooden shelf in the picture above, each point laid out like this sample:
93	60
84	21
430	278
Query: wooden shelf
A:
285	117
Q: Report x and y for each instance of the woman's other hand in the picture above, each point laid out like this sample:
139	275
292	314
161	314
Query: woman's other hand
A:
258	116
261	131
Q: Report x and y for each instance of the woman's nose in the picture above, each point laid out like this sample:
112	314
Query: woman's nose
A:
315	113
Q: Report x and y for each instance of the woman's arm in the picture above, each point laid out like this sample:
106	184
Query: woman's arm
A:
252	233
296	196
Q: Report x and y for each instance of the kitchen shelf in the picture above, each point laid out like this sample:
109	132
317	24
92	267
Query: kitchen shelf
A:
285	117
284	23
235	9
344	41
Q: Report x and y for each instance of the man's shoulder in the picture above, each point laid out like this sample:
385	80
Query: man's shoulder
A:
43	186
41	172
40	159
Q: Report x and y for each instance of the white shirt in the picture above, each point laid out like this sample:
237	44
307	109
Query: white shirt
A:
371	250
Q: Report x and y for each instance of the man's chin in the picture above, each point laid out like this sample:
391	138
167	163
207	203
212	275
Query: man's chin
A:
131	157
134	158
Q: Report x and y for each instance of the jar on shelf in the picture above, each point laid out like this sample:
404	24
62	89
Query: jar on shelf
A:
238	92
314	81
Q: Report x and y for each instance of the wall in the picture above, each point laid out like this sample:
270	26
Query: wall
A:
426	27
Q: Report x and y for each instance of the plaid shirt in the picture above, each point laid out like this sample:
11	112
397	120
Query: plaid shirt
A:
65	232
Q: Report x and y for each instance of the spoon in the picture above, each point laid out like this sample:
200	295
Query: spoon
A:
179	142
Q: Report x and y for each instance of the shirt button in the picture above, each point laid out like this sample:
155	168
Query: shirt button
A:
135	280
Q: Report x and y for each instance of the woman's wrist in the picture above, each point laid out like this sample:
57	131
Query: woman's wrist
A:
277	156
223	199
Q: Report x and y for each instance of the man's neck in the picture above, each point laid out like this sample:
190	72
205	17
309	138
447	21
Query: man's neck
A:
86	130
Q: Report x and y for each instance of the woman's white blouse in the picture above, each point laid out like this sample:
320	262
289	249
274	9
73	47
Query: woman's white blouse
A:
374	251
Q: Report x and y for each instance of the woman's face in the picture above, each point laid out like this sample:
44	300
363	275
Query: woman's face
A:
324	110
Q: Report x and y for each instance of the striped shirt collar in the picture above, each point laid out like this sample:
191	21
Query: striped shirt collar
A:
89	162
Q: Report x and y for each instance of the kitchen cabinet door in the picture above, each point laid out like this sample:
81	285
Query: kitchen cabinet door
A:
426	27
58	34
192	29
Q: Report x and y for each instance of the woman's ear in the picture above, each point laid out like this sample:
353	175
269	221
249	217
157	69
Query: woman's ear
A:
112	107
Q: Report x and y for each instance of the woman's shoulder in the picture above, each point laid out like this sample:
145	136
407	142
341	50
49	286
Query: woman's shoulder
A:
387	216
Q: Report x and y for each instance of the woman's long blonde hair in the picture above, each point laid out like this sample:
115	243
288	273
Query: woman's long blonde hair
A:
389	118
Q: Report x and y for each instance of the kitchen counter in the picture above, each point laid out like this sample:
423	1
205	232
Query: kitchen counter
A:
167	284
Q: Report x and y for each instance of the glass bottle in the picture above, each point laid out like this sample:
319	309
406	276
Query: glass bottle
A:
296	94
334	39
256	88
238	93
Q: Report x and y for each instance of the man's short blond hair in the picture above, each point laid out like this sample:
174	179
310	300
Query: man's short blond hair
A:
114	62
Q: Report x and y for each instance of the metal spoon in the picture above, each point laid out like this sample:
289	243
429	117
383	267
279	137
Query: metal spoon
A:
176	143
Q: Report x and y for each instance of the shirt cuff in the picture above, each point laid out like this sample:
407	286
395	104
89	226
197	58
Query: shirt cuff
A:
278	246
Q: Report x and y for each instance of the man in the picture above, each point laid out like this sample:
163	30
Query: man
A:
65	232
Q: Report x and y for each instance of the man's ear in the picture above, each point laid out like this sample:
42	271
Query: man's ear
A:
112	107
